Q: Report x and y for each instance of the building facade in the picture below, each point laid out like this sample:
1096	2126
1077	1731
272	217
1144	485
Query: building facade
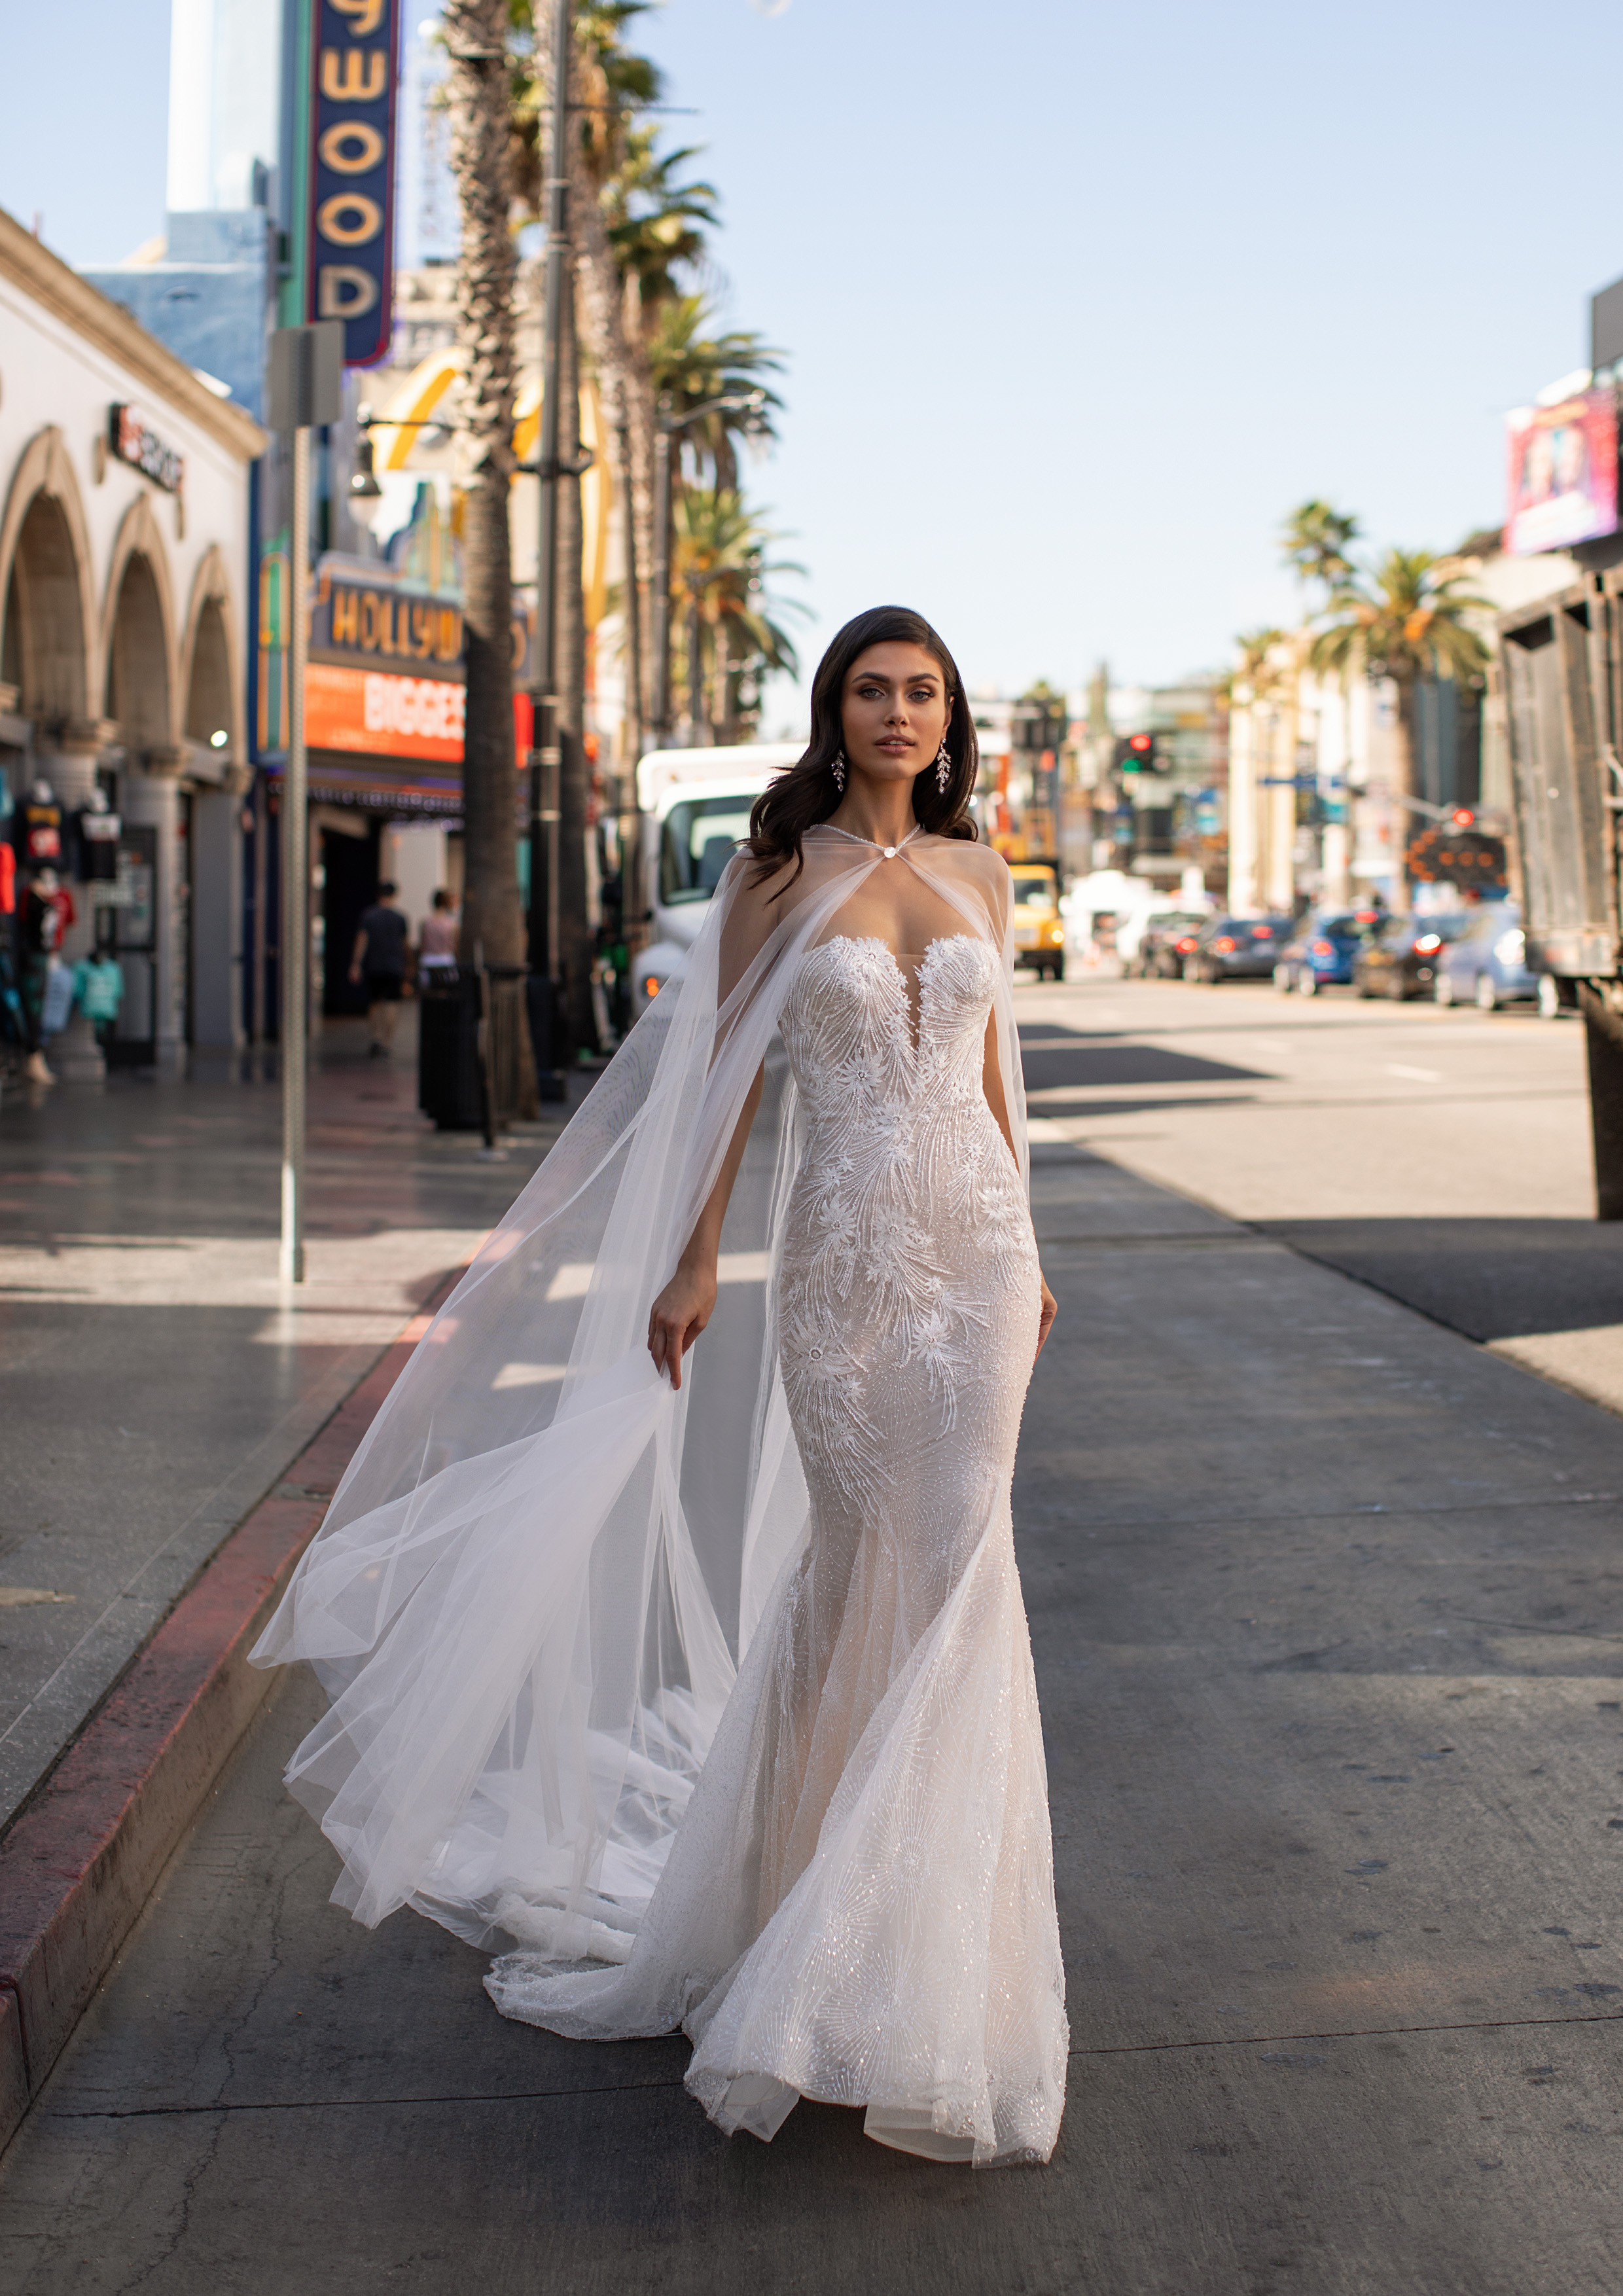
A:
123	546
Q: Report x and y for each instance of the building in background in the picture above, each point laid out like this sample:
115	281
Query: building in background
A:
123	613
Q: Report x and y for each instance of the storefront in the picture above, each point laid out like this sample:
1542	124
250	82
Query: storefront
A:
384	699
123	538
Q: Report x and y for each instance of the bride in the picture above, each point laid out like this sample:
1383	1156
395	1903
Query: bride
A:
700	1685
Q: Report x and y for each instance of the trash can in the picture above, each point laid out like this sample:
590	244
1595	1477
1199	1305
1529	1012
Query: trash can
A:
447	1049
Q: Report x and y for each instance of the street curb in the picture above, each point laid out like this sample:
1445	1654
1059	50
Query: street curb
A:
81	1860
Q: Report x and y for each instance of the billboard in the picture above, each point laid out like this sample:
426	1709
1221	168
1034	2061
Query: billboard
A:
354	65
1563	473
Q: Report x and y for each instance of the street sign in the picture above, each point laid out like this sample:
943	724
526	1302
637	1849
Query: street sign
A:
305	377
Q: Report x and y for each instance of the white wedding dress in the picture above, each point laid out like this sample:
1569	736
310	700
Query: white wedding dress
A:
831	1867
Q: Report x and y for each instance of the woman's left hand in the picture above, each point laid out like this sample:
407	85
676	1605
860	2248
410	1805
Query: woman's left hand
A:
1050	1308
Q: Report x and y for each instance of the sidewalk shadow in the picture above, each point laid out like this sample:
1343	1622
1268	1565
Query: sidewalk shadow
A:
1049	1064
1491	1279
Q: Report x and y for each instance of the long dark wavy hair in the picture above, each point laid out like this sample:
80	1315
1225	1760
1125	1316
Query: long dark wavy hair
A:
804	794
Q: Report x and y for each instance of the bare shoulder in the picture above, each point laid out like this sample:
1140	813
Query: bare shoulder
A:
981	863
749	916
750	892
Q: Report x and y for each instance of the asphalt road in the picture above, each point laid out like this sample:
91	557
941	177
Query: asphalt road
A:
1328	1621
1441	1156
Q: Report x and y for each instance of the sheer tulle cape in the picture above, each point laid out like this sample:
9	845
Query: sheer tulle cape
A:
538	1580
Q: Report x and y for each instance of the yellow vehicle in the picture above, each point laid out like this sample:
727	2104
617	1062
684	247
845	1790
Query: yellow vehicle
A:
1039	929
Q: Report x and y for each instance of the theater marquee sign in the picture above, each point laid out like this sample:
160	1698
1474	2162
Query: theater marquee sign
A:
355	64
385	676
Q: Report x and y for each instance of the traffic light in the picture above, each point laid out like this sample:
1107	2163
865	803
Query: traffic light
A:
1135	754
1462	818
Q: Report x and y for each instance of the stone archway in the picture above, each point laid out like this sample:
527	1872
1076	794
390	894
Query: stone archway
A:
46	621
210	679
138	698
138	653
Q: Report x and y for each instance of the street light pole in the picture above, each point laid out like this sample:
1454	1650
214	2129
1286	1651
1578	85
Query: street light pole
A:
295	882
545	756
305	380
663	430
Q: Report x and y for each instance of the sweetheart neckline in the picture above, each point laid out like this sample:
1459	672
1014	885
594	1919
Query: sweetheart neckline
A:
913	1017
878	940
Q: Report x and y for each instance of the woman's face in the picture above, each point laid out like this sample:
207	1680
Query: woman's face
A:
894	712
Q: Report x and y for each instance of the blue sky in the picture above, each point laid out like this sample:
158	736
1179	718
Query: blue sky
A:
1077	300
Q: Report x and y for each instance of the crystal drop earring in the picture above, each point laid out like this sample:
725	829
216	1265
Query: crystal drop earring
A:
838	770
944	766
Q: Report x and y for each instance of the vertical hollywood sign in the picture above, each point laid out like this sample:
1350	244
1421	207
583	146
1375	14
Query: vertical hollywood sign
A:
352	172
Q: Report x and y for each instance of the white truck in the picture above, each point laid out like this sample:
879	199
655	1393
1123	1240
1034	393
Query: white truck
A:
695	807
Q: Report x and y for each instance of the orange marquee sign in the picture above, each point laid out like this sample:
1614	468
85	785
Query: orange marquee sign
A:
373	713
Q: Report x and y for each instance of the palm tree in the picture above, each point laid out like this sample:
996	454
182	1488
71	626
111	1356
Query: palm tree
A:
1257	670
720	569
656	223
478	98
1316	540
690	367
1405	621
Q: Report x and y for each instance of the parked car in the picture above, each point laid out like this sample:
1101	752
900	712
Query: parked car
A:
1402	961
1320	953
1165	941
1039	930
1236	949
1487	964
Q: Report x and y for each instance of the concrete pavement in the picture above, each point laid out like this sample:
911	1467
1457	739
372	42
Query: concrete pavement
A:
159	1380
1329	1631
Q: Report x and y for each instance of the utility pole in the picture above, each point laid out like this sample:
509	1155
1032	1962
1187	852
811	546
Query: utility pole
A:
546	757
306	365
663	429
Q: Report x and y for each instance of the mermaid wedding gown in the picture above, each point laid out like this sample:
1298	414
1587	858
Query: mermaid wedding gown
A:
840	1884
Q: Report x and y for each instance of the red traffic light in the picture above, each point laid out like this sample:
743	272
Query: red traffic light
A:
1141	743
1462	818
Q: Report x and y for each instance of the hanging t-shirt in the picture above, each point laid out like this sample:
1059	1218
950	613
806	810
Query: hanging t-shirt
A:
42	832
98	983
45	918
386	932
98	841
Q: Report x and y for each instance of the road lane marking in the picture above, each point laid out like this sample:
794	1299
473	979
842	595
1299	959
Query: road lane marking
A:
1421	1076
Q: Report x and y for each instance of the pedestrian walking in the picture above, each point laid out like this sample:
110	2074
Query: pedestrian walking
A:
381	944
437	942
763	1741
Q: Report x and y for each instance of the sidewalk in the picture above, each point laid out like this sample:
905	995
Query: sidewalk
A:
158	1379
1329	1638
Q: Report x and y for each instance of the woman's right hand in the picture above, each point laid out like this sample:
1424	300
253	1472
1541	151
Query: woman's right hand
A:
679	1315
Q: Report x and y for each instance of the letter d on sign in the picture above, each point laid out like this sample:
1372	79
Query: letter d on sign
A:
343	291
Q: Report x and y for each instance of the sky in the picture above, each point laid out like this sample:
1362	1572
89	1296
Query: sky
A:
1077	301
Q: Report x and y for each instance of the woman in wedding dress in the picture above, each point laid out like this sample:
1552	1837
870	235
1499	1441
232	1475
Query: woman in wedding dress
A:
701	1681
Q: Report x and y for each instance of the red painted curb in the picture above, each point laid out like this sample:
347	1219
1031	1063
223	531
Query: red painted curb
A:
81	1860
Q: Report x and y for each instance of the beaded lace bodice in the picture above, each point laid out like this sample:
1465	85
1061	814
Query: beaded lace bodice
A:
908	1207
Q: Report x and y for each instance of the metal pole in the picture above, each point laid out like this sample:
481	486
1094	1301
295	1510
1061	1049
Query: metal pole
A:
663	428
295	882
545	758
